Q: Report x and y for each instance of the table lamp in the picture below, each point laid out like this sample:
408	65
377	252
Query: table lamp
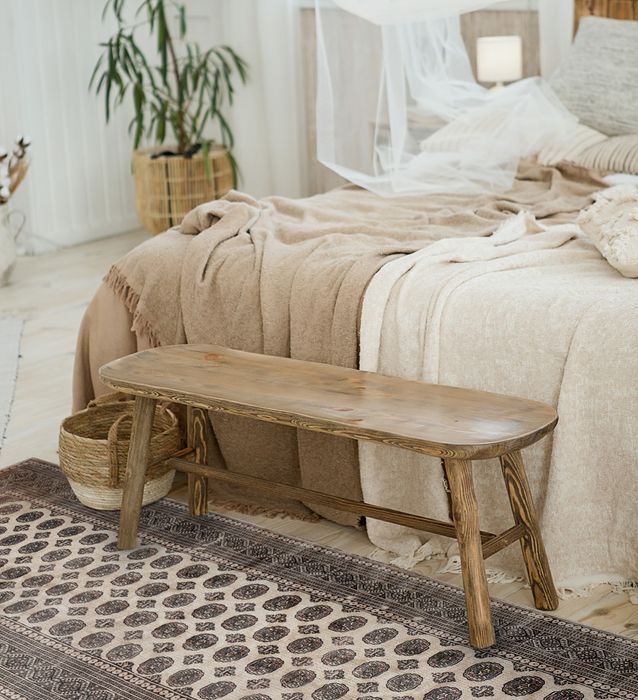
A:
499	59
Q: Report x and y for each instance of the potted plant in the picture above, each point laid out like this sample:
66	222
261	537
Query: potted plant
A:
182	91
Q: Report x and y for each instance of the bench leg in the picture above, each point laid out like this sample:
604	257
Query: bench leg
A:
465	512
135	471
197	439
536	563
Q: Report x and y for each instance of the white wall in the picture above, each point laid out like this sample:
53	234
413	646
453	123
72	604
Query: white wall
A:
266	116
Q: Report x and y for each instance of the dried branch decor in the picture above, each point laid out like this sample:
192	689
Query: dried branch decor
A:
13	168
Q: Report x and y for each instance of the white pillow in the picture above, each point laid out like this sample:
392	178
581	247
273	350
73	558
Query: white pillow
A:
611	224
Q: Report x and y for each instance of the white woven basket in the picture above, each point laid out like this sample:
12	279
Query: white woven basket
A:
94	446
111	499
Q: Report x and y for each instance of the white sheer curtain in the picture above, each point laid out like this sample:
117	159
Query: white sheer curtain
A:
423	124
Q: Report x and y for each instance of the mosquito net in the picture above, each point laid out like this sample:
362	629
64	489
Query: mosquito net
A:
400	112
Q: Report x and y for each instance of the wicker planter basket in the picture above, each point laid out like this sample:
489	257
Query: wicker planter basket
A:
94	447
168	187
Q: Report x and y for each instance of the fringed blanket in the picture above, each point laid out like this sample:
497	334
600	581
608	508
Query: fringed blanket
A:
287	277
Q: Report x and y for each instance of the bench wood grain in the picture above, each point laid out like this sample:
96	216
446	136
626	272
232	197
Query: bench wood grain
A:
457	425
439	420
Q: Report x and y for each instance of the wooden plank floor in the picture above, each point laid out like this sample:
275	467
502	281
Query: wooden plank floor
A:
51	292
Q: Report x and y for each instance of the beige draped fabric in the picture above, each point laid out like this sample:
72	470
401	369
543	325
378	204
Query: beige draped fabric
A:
287	277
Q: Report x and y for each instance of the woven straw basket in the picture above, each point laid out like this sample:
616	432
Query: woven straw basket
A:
94	447
168	187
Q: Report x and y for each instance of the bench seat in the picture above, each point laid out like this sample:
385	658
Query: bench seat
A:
454	424
439	420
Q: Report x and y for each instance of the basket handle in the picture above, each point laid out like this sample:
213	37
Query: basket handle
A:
113	397
112	441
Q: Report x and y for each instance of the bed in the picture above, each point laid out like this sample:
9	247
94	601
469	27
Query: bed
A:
415	287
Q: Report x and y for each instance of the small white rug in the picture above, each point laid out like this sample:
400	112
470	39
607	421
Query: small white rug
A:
10	336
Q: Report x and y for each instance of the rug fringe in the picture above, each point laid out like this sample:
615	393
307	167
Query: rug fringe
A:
629	587
584	590
426	552
453	566
256	509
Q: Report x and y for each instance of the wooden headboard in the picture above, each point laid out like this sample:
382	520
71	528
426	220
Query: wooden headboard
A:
614	9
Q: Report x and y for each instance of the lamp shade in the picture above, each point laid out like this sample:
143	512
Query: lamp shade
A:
499	59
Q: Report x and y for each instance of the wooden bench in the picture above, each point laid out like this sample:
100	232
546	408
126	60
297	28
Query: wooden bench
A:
457	425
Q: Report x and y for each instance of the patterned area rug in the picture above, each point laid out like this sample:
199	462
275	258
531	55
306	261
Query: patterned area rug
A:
213	608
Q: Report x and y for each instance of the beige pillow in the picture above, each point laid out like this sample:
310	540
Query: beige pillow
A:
570	147
618	154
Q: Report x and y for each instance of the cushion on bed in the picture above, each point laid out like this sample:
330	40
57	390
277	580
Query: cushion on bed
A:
618	154
611	224
590	149
570	148
598	81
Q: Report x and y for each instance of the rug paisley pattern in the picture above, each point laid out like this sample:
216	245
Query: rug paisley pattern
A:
210	608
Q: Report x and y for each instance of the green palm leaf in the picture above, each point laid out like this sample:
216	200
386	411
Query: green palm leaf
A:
176	87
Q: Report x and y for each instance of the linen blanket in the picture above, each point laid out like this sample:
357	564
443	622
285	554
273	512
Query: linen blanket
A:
287	277
531	312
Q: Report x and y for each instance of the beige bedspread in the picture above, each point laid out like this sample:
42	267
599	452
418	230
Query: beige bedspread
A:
287	277
537	314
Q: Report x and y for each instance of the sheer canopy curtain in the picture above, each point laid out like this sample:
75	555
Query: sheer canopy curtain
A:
431	126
